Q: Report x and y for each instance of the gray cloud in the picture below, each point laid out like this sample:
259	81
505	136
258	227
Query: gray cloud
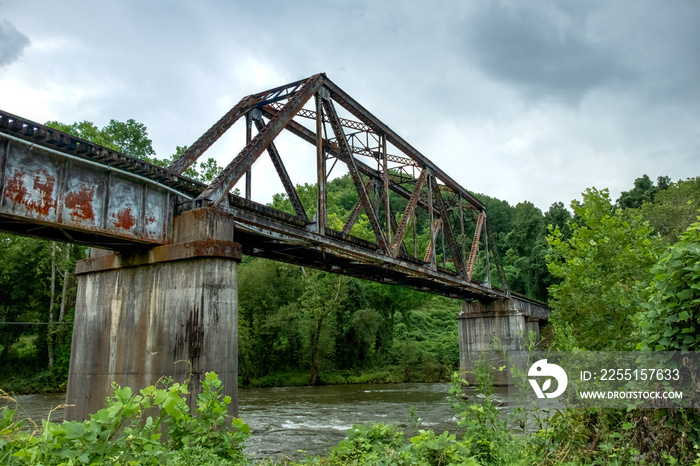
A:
547	49
12	43
527	92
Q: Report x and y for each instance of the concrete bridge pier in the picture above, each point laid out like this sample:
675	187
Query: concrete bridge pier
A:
169	311
509	321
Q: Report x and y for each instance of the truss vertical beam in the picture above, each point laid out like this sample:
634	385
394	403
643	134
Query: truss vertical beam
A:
248	138
281	171
347	157
220	187
387	206
486	247
430	252
322	206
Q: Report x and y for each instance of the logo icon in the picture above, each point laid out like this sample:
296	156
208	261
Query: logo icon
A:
544	369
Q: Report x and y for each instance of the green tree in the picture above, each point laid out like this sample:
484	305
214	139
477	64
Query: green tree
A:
24	290
558	216
130	137
643	191
202	171
322	297
673	209
501	214
601	267
527	228
672	322
268	336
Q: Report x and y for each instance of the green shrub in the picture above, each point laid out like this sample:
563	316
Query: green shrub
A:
130	431
672	322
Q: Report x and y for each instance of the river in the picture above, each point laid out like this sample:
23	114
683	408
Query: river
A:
286	419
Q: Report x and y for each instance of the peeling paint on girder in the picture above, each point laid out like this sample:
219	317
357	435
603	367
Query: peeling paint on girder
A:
80	204
124	219
34	191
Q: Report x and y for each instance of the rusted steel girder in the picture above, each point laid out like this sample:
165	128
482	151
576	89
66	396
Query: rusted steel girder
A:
36	133
219	188
49	194
475	245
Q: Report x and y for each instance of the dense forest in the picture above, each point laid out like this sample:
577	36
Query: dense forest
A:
618	274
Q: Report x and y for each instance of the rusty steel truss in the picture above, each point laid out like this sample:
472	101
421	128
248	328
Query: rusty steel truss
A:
379	162
386	172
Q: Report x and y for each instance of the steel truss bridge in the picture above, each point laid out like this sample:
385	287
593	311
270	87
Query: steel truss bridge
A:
57	186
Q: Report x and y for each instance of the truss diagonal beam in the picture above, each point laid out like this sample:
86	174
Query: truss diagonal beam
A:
282	172
220	187
392	220
431	247
347	157
352	219
355	212
408	212
447	230
207	139
475	245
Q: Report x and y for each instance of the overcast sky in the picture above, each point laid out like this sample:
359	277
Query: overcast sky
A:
521	100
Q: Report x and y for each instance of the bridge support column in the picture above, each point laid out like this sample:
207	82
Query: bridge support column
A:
509	321
169	311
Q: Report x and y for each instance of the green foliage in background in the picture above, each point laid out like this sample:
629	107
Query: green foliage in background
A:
601	269
673	209
672	320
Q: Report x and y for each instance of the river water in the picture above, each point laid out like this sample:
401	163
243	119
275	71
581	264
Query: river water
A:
285	420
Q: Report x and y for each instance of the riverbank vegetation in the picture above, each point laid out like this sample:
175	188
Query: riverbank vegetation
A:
619	275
